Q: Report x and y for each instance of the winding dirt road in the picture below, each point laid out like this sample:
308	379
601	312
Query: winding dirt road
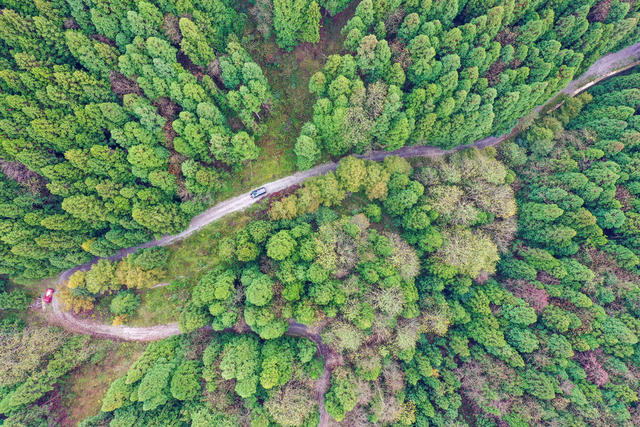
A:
605	67
85	326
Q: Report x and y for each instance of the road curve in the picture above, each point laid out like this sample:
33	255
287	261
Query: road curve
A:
605	67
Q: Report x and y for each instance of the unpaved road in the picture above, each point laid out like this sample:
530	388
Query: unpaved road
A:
331	360
605	67
85	326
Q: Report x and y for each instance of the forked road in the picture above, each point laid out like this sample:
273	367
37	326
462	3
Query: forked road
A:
605	67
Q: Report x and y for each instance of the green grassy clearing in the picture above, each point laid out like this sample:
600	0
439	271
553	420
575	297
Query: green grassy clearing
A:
190	256
161	305
288	74
188	260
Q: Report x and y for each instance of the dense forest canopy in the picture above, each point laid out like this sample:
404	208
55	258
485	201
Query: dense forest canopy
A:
437	303
446	73
483	287
120	120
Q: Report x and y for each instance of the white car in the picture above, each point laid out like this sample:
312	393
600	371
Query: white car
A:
258	192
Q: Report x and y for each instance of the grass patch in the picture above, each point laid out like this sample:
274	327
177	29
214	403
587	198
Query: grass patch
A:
85	387
352	205
188	260
200	250
102	311
35	288
288	74
161	305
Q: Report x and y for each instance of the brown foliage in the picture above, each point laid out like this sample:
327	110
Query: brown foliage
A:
393	22
291	404
547	278
262	14
600	11
355	418
393	377
493	74
601	262
200	340
400	53
188	65
167	108
536	298
375	100
222	398
479	375
564	304
635	415
404	257
502	232
592	366
172	29
28	179
169	133
624	197
215	71
120	85
71	24
175	162
104	39
506	37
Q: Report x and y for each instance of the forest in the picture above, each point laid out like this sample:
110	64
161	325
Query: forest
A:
489	287
451	72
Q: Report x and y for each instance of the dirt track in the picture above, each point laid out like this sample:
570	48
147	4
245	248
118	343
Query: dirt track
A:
605	67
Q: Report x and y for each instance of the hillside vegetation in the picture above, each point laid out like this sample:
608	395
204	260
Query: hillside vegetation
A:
485	287
446	73
438	304
120	120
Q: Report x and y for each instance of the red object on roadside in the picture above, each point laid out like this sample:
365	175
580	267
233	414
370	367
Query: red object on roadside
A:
48	295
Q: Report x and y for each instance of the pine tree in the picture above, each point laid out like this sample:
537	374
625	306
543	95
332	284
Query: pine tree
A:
295	21
194	44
